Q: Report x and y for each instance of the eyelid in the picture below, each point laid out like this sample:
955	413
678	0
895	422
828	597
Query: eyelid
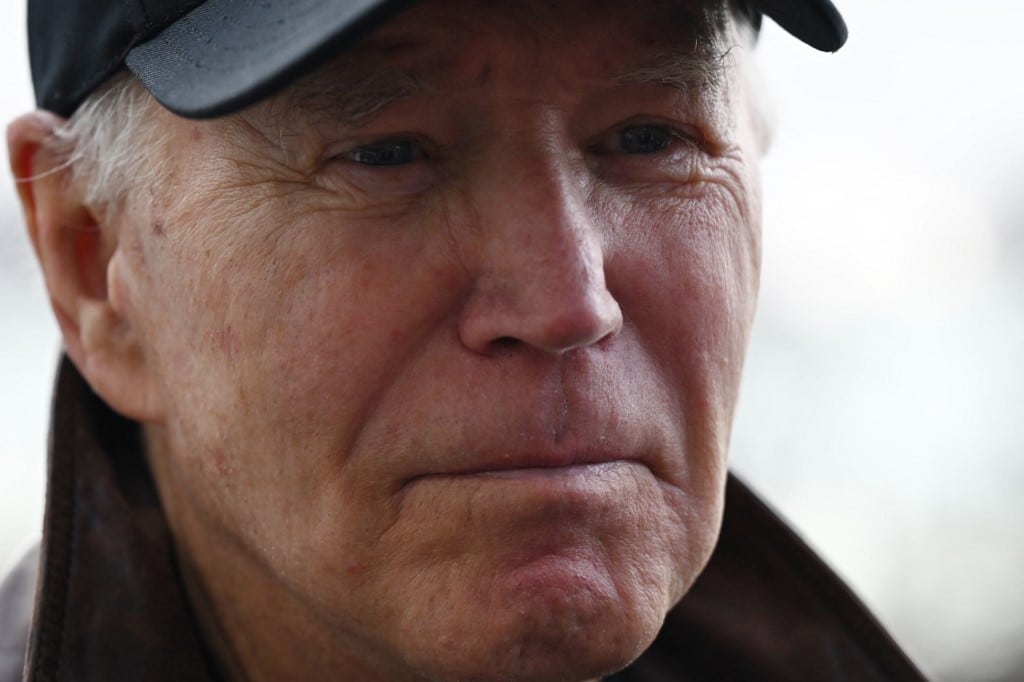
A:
686	137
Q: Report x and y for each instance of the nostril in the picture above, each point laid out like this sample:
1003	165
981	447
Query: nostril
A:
505	343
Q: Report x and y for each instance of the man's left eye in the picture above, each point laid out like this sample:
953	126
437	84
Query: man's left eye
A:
645	139
387	153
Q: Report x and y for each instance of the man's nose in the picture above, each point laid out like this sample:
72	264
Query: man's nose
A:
541	279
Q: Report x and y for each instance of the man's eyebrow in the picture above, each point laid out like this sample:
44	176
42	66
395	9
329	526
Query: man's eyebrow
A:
685	70
352	92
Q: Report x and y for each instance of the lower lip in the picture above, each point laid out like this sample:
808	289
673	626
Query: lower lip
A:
541	493
597	478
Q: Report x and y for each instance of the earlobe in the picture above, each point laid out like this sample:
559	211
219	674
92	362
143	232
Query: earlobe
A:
80	258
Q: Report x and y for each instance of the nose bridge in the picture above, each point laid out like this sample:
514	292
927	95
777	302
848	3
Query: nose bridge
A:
540	231
541	277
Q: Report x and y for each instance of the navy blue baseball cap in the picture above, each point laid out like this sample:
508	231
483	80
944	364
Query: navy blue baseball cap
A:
202	59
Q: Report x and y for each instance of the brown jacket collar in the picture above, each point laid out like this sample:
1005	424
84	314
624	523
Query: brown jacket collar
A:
111	604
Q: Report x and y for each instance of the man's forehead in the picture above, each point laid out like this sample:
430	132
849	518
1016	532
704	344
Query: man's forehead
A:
440	47
438	32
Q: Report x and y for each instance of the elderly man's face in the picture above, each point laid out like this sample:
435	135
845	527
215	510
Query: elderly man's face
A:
443	361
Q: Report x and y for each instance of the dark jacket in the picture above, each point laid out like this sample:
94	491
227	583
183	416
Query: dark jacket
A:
110	604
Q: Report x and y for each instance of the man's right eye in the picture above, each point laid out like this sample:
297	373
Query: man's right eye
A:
387	153
645	139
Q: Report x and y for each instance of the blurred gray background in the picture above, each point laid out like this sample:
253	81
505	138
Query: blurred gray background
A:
881	410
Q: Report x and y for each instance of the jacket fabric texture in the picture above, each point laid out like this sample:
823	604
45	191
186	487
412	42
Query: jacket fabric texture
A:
102	599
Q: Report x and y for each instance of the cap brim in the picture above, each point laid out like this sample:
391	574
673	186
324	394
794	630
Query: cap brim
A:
815	22
228	54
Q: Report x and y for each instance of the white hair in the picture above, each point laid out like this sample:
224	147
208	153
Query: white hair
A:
109	142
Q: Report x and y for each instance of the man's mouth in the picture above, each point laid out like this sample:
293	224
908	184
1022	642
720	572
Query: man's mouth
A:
545	470
539	468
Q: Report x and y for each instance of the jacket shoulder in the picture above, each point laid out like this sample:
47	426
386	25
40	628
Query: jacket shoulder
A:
17	598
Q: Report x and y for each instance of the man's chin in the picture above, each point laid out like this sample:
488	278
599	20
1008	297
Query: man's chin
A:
555	618
536	656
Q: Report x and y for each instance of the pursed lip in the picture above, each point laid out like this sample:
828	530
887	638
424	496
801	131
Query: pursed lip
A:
548	471
539	463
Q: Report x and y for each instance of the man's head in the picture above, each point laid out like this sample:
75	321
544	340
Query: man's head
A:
436	349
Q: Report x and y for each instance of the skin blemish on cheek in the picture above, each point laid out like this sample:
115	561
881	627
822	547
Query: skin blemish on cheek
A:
227	341
222	465
158	228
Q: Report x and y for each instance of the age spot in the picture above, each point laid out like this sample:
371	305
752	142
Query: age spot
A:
222	465
227	341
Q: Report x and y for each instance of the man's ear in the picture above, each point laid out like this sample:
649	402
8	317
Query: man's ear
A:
83	267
